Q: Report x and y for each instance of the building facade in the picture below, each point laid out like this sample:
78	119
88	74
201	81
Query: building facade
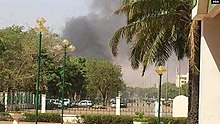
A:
182	79
209	96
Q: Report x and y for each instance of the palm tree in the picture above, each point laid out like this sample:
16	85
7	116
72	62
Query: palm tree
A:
156	28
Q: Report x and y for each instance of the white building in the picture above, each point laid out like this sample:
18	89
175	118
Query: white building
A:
209	93
182	79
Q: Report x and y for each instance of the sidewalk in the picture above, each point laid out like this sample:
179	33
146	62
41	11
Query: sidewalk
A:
11	122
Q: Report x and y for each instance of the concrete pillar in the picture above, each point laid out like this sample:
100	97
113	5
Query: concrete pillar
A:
156	108
33	99
6	101
43	103
118	112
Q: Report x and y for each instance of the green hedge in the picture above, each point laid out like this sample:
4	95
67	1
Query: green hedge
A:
107	119
5	116
102	119
42	117
165	120
150	120
172	120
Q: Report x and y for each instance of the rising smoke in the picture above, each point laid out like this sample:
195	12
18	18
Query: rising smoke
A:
91	33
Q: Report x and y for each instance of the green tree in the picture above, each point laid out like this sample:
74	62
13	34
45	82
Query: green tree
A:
104	77
15	63
18	54
184	89
76	77
52	75
169	90
10	55
152	92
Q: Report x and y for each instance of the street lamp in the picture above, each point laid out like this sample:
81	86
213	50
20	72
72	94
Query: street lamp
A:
160	70
65	46
41	29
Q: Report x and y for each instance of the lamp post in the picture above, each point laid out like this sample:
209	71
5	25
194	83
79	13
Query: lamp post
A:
65	46
160	70
41	29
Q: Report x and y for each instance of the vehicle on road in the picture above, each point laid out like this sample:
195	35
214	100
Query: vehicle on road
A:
99	107
122	105
73	104
84	103
66	102
50	105
56	102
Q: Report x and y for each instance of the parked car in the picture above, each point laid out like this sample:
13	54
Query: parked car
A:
84	103
99	107
50	105
73	104
56	102
66	102
122	105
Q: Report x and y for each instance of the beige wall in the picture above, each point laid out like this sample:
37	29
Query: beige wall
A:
212	36
209	102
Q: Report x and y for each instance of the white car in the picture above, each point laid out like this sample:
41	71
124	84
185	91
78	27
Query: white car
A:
84	103
66	102
57	102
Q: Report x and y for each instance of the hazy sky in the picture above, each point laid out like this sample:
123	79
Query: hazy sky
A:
58	13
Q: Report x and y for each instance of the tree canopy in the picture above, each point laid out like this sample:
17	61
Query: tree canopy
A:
104	77
85	78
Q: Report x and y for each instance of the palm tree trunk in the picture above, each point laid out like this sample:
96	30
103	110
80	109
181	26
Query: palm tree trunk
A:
193	107
104	97
12	99
3	100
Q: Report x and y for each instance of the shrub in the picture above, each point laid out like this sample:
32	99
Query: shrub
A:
42	117
172	120
164	120
2	108
139	114
107	119
5	116
17	109
149	119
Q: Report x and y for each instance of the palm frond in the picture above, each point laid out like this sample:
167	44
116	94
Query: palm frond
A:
154	29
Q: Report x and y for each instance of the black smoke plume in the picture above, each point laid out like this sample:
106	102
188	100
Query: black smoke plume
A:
90	33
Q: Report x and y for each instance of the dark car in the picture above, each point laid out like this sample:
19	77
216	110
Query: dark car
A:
50	105
122	105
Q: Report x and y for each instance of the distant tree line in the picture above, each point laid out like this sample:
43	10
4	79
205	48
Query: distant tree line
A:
169	91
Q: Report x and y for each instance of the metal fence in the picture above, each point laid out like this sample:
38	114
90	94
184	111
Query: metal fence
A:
25	102
147	109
